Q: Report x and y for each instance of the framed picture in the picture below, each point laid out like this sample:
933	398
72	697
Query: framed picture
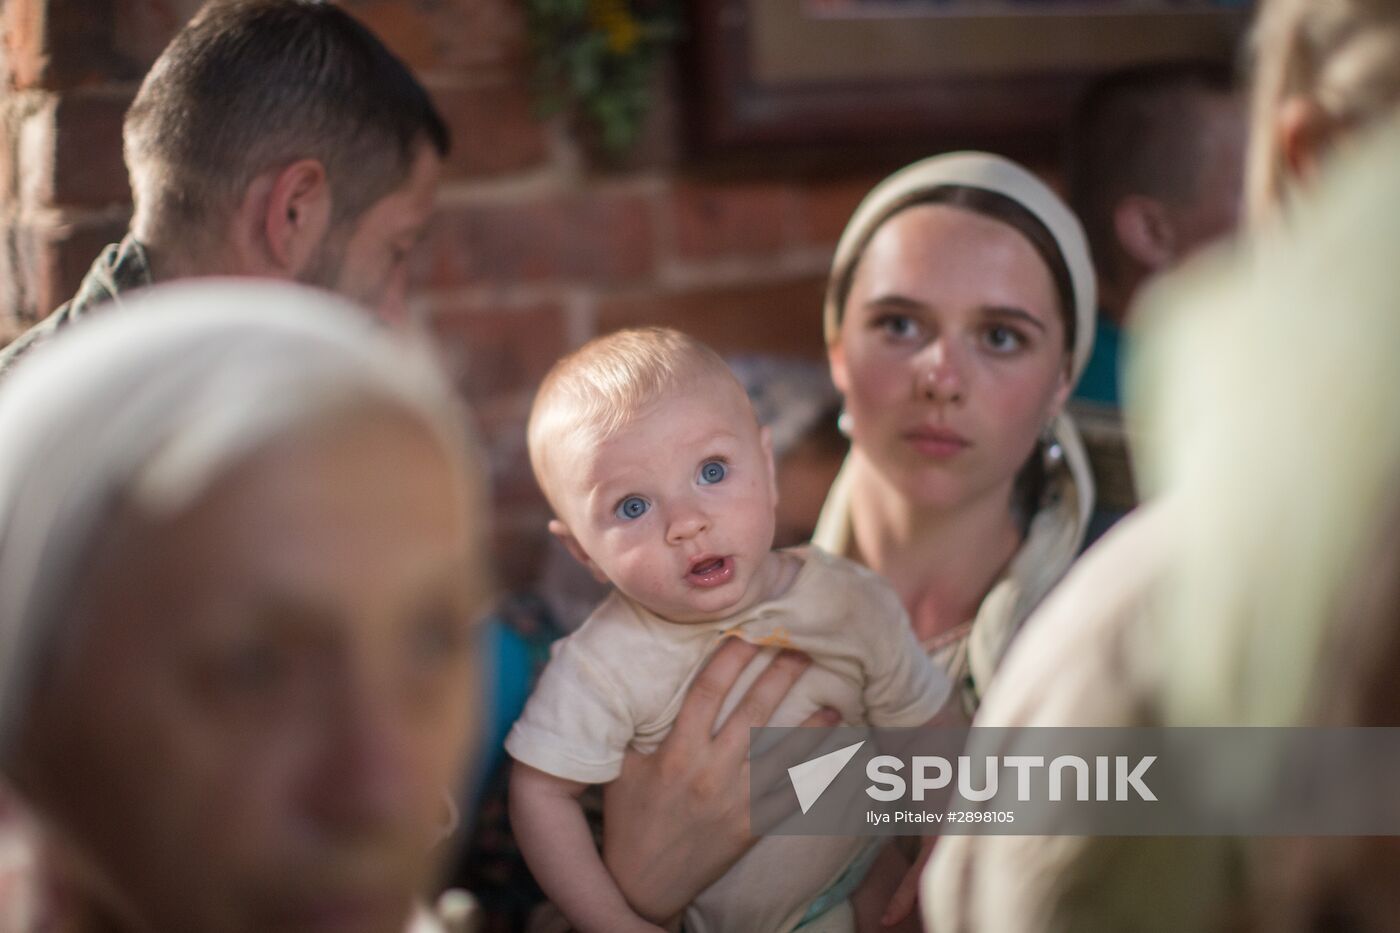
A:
951	73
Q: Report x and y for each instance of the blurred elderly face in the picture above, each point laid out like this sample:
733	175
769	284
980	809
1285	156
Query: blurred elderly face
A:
273	692
951	354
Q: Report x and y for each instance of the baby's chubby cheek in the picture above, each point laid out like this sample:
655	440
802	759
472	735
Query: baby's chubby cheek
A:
643	568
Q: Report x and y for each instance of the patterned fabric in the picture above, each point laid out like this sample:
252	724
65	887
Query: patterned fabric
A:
121	268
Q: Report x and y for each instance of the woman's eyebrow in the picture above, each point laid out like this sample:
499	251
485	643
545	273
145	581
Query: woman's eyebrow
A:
1017	314
894	300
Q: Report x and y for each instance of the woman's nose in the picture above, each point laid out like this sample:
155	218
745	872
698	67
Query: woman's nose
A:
364	779
939	374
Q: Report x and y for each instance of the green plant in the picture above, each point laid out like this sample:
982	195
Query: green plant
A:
598	57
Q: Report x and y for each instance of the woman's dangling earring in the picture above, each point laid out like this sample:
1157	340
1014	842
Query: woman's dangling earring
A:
843	423
1050	447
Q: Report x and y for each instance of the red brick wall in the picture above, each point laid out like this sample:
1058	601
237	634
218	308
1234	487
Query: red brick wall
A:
535	248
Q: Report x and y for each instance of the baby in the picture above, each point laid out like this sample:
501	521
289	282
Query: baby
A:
662	483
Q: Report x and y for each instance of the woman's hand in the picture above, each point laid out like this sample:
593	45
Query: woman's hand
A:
675	820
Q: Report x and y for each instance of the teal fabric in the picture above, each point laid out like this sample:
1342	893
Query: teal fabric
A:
513	656
844	886
1100	382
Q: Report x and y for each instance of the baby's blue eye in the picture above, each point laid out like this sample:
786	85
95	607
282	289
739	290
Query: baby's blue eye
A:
712	472
632	507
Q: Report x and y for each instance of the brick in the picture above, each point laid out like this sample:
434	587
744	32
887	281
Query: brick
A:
501	425
9	138
17	256
494	129
590	236
763	317
144	27
57	260
73	48
26	54
88	170
446	35
518	547
513	484
714	221
9	330
32	132
658	144
41	267
495	352
825	207
520	513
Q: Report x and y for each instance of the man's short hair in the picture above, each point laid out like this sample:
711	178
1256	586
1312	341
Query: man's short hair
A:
1136	131
249	85
595	391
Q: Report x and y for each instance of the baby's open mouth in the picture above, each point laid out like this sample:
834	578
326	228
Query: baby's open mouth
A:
709	570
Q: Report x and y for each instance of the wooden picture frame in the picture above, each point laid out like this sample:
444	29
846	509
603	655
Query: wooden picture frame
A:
774	74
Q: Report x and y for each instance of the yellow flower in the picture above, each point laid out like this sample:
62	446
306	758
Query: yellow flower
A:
613	18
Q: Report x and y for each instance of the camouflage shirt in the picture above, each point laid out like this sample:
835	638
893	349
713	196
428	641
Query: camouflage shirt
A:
121	268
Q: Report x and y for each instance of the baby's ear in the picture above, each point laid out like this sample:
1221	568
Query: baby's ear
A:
562	532
765	438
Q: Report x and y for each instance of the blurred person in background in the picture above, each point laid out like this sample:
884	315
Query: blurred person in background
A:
1326	79
1154	162
271	138
1155	169
250	710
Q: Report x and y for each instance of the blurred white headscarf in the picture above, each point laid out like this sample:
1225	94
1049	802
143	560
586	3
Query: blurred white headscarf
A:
148	407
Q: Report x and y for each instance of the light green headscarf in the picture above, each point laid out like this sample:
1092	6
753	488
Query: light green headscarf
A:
1265	400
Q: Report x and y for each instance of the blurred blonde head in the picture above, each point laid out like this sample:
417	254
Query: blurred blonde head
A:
1279	488
1323	68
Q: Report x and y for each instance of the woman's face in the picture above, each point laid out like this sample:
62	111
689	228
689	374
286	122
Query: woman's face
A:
951	354
274	692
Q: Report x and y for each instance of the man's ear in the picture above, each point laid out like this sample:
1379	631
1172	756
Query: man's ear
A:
765	439
562	532
1145	231
297	215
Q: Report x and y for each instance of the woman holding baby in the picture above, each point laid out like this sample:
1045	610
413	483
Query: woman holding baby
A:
959	313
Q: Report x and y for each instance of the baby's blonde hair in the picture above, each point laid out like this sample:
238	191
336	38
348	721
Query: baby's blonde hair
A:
600	387
1343	55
